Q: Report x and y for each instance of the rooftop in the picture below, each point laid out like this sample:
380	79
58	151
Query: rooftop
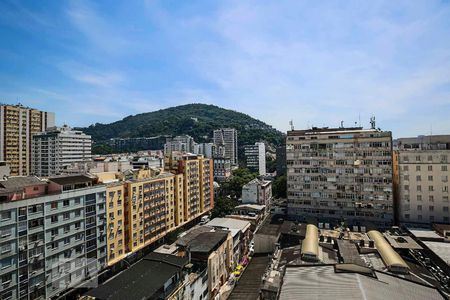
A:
207	242
251	207
143	280
19	182
248	286
71	179
328	282
229	223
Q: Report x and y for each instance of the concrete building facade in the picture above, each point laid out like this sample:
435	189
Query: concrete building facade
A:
255	156
227	137
17	125
340	174
52	235
222	168
257	192
183	143
60	150
422	179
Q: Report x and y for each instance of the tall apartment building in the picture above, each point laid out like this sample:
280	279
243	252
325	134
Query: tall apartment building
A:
197	182
337	174
183	143
422	179
17	125
144	205
60	150
227	137
255	156
52	235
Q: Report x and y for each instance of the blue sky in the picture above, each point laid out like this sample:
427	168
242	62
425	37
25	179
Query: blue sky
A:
315	62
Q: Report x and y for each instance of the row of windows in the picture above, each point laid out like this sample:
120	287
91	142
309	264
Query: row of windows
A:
430	188
430	168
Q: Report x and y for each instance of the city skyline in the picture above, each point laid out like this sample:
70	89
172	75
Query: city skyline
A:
316	64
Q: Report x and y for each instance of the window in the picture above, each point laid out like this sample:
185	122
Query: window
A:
54	205
407	216
445	189
66	240
444	168
431	198
431	208
430	168
418	178
406	187
77	225
6	248
419	188
54	231
405	168
430	178
66	228
419	197
445	208
430	188
445	178
445	198
6	215
54	219
77	213
417	158
430	158
66	216
417	168
66	202
406	177
78	236
419	217
77	200
419	207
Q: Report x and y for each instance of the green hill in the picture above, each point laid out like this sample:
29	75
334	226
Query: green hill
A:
196	120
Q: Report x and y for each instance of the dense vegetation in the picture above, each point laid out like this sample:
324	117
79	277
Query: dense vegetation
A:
230	192
197	120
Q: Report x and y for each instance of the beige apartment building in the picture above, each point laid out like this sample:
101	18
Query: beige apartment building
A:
422	179
198	182
144	205
17	126
340	174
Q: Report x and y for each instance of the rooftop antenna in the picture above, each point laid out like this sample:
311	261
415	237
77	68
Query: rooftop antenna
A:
342	124
291	123
372	122
359	120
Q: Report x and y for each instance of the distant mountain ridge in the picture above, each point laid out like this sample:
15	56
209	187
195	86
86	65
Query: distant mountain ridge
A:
197	120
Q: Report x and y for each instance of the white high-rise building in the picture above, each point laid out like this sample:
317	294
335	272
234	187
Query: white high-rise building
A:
255	156
182	143
227	137
60	150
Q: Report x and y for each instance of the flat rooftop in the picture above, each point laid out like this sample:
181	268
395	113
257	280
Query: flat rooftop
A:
248	286
143	280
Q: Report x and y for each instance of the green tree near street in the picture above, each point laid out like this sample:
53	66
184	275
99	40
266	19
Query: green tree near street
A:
231	191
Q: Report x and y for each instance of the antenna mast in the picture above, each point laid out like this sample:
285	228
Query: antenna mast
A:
291	123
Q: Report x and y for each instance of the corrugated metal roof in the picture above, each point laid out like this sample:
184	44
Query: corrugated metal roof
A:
322	282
